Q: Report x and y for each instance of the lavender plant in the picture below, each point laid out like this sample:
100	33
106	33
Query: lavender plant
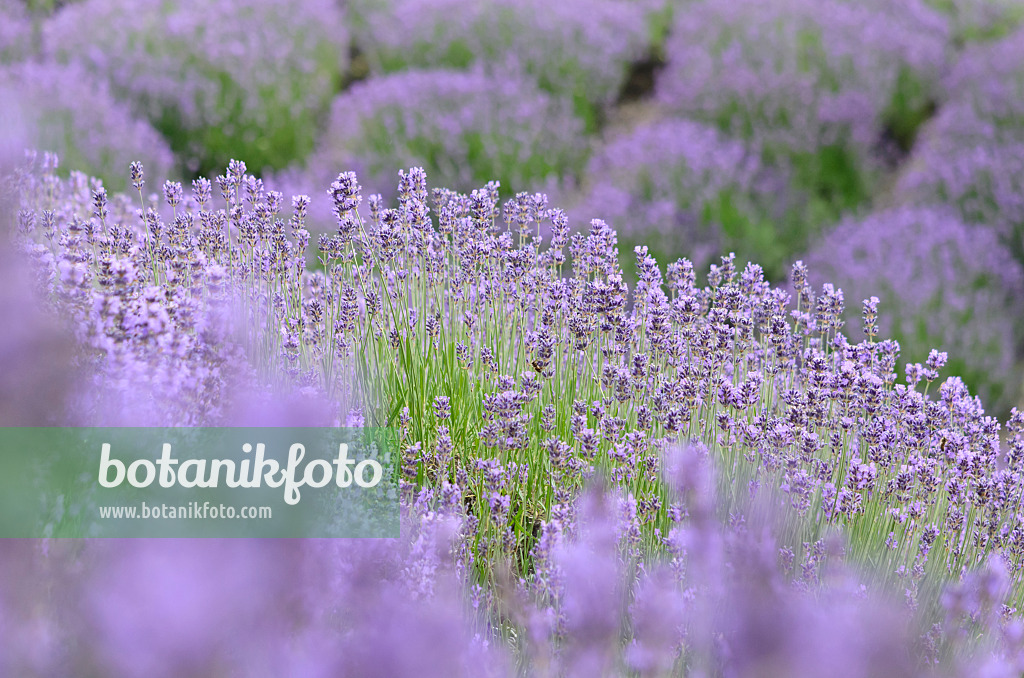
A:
683	188
39	356
214	78
517	376
134	608
820	86
988	78
66	110
978	20
149	302
126	608
970	156
579	52
15	31
982	183
942	284
465	127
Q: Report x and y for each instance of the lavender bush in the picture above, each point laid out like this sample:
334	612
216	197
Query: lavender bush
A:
15	31
987	81
820	86
942	284
39	355
683	188
578	51
465	127
977	20
214	78
984	183
156	314
68	111
970	157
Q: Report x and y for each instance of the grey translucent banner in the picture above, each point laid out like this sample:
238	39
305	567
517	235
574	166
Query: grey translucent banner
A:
198	482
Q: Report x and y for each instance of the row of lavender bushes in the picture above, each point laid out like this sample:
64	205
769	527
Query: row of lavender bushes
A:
781	128
711	480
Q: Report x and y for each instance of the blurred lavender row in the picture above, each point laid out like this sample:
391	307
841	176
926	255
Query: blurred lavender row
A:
400	607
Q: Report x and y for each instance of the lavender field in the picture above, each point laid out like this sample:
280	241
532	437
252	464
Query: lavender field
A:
699	325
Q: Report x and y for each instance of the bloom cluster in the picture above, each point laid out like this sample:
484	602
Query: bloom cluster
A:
818	85
15	31
150	300
134	608
578	51
64	108
253	74
942	283
683	188
464	127
970	157
977	20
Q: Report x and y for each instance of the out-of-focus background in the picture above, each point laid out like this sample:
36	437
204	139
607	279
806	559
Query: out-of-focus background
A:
881	141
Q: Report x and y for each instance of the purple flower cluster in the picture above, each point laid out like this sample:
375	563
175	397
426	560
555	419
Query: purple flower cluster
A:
170	608
977	20
464	127
817	84
66	110
579	51
724	604
984	183
39	354
213	78
15	31
750	452
683	189
942	284
150	301
970	157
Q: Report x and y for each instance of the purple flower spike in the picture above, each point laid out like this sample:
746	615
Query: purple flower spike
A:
945	287
464	129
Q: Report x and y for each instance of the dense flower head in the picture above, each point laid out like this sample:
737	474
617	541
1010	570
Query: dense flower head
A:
685	189
464	127
575	50
942	284
819	85
250	76
69	112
